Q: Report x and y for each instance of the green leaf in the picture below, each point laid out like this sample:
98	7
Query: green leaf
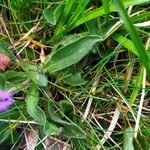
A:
15	76
70	39
37	78
141	142
70	54
53	13
33	109
66	40
26	65
2	82
66	21
53	114
51	129
73	77
12	113
125	42
4	44
134	36
81	6
106	8
66	107
137	86
71	130
92	14
5	132
68	7
128	139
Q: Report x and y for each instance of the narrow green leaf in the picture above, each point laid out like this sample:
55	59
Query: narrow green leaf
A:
75	16
106	8
68	7
4	44
33	109
134	36
2	82
137	86
65	16
70	54
5	132
126	43
81	6
100	11
142	142
12	113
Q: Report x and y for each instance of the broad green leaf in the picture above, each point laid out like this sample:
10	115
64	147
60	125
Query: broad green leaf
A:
73	77
15	76
66	107
128	139
33	109
66	40
71	130
106	26
54	115
70	54
51	129
26	65
70	39
53	13
37	78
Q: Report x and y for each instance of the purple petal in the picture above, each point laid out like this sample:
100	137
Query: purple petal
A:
6	100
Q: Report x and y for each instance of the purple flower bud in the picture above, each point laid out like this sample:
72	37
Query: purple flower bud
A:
6	100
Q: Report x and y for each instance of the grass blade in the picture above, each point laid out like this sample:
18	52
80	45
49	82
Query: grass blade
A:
134	36
100	11
106	8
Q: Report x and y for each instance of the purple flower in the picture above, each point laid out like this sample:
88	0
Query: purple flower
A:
6	100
